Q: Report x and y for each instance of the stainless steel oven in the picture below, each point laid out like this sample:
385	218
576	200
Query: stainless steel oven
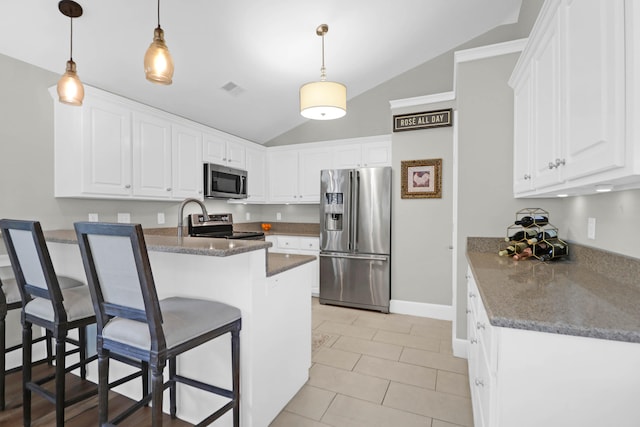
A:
219	226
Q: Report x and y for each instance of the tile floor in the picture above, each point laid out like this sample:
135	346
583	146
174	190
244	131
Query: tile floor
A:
376	369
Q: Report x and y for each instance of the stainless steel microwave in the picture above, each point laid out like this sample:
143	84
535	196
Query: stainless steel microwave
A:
222	182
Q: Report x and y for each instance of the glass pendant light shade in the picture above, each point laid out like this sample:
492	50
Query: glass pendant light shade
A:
158	64
70	89
323	100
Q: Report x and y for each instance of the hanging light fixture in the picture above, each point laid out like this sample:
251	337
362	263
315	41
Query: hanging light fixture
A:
323	100
70	89
158	64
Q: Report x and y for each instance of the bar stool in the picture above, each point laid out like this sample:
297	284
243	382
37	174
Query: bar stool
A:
132	321
46	304
10	300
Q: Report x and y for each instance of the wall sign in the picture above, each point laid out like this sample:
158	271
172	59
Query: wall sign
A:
427	119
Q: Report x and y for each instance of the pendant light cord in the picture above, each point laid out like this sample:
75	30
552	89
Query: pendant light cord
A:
71	41
323	70
158	13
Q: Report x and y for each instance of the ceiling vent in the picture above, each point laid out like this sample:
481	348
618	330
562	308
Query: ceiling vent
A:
232	89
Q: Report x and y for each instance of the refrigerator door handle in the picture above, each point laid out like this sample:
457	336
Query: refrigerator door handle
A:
356	210
350	245
362	257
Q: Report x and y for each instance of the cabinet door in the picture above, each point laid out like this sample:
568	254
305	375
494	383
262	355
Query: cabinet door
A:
312	161
347	156
376	154
546	72
186	174
594	84
151	156
283	173
522	136
236	155
256	164
107	148
214	149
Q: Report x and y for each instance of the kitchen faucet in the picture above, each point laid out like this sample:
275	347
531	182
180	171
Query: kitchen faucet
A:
181	213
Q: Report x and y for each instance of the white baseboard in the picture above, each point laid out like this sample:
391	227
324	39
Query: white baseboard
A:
460	348
421	309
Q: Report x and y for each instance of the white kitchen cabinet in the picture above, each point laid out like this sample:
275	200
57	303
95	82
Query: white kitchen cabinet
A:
256	163
310	163
573	74
368	154
294	174
186	168
151	156
223	150
283	176
527	378
299	245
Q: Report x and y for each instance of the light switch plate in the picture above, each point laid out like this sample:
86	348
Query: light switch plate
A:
247	216
278	216
124	217
591	228
160	217
93	217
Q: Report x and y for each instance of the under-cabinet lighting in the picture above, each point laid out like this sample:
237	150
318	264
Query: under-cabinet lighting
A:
604	188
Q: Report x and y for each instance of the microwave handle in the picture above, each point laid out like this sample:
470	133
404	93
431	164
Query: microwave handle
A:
242	184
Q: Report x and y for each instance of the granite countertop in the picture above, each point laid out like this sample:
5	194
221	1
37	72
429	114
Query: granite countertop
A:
568	297
302	229
278	263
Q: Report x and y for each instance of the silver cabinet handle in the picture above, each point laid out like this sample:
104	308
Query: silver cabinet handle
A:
480	326
527	176
479	382
127	186
468	310
224	159
169	189
473	341
552	165
560	162
472	295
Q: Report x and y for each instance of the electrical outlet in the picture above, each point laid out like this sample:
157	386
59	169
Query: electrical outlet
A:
160	217
247	216
93	217
591	228
124	217
278	216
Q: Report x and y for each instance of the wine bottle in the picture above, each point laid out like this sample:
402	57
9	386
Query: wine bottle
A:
526	253
547	251
528	221
514	248
521	235
543	235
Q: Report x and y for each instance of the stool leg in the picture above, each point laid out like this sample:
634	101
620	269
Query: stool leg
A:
3	362
145	380
103	386
172	388
26	372
49	341
235	361
156	398
82	338
60	380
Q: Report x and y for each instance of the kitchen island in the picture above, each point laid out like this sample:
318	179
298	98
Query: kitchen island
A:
271	290
556	343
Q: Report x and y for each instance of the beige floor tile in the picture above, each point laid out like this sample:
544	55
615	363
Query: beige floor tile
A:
446	347
452	383
431	359
431	328
406	340
349	383
397	371
440	423
371	348
335	316
289	419
347	330
349	412
443	406
310	402
383	323
336	358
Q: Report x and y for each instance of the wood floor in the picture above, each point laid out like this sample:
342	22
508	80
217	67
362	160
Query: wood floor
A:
82	414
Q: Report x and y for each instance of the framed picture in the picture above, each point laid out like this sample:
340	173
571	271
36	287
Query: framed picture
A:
421	179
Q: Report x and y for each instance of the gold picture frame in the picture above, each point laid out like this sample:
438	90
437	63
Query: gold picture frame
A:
421	179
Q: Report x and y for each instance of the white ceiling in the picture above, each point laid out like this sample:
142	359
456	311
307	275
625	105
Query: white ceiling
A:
268	48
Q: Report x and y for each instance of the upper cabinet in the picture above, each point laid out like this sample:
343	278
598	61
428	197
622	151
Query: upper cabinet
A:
573	89
356	155
224	150
256	164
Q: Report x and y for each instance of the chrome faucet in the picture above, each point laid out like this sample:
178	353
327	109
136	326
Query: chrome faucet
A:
181	213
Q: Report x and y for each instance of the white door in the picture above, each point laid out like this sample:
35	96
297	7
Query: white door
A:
256	175
312	161
522	136
283	176
186	175
214	149
236	153
376	154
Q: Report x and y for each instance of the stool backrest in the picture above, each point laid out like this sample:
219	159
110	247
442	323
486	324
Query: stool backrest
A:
32	264
119	275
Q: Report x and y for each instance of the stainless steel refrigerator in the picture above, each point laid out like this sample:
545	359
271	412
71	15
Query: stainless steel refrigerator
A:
355	238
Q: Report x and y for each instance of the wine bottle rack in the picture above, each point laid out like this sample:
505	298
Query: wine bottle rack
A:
523	234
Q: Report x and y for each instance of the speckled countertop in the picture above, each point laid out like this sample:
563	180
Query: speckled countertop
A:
165	241
579	296
303	229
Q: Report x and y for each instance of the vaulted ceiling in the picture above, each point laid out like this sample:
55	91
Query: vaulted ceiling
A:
267	48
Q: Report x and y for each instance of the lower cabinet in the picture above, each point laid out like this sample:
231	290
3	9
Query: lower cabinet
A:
528	378
299	245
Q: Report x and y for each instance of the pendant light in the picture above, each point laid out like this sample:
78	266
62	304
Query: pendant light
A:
323	100
70	89
158	64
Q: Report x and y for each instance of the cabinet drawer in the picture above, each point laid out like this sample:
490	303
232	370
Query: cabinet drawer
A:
309	243
288	242
481	385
